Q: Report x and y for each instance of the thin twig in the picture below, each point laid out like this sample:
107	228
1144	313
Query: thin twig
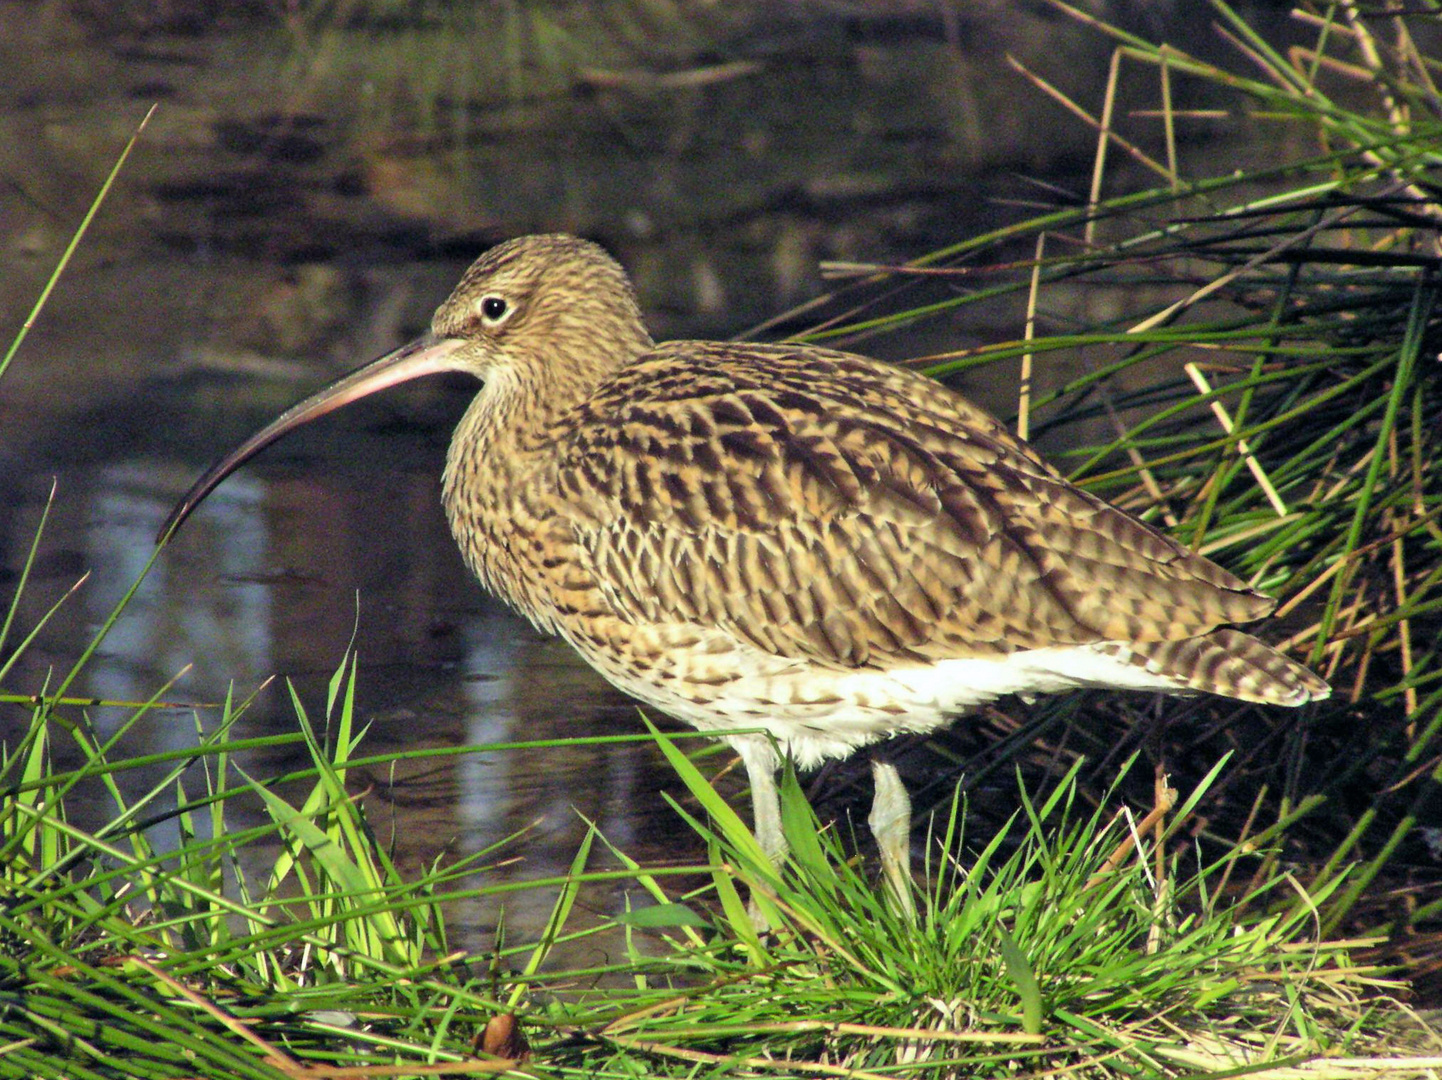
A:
1225	419
1169	127
273	1054
1056	95
1023	408
1104	133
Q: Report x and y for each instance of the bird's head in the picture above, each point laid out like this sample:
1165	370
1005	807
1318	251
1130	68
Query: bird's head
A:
543	301
551	312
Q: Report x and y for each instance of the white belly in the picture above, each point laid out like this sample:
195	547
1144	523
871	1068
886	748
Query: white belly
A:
816	713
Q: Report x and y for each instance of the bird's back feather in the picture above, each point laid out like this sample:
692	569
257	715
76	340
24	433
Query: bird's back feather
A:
825	506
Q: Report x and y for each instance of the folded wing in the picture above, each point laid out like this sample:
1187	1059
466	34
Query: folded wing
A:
825	506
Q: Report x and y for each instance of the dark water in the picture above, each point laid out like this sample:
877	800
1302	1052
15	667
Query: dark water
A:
330	539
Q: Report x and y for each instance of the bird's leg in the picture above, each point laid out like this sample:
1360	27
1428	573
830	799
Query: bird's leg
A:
759	757
890	821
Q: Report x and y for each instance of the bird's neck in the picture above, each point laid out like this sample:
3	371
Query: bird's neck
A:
503	457
523	407
500	432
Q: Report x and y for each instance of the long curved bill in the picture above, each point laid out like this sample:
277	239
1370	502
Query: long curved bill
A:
426	355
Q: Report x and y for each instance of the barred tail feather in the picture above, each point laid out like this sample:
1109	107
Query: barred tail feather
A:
1229	663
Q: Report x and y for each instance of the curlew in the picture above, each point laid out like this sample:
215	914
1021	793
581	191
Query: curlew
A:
785	537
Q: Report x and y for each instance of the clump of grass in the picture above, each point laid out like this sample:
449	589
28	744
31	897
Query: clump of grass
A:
1266	391
125	955
1065	952
119	957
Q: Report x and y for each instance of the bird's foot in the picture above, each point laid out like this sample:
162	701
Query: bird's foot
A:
890	821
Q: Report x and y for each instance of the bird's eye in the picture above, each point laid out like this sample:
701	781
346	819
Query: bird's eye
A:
494	309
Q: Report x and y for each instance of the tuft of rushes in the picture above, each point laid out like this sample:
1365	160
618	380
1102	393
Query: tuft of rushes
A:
1267	390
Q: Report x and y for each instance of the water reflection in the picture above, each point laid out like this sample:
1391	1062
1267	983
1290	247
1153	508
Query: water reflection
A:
276	574
168	624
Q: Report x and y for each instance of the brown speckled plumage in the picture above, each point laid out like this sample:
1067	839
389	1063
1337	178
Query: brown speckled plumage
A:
786	536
